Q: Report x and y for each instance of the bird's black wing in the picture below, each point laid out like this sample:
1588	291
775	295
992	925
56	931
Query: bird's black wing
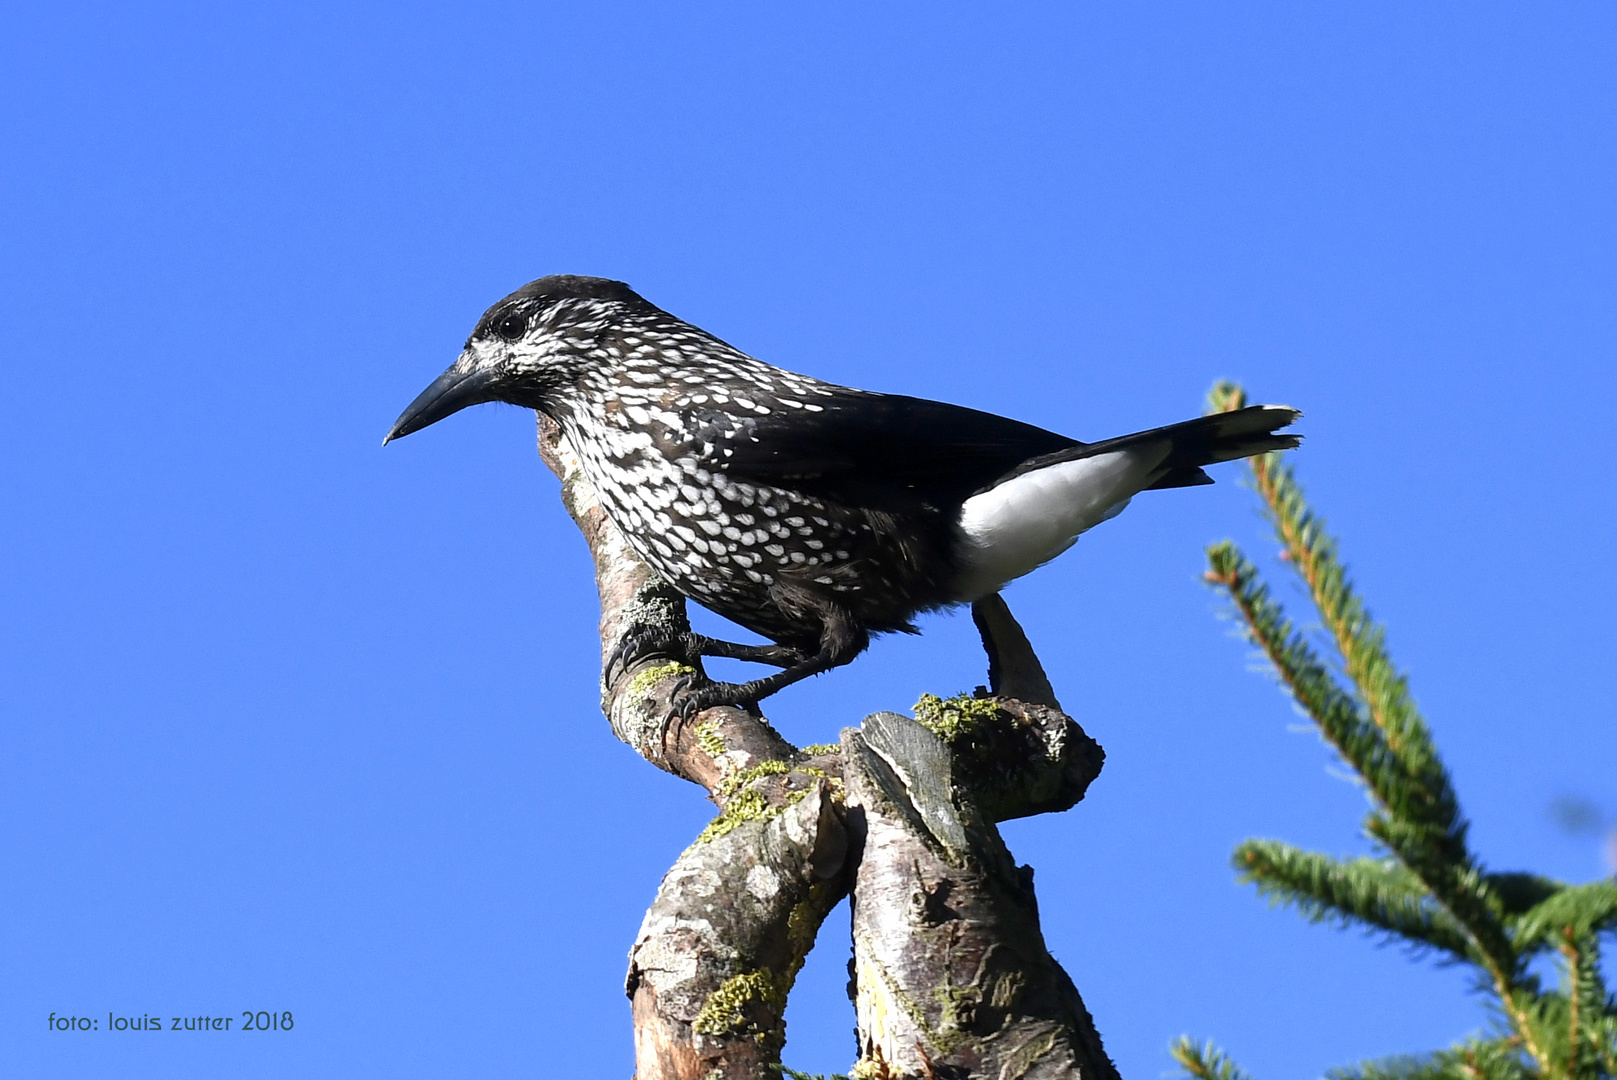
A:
879	451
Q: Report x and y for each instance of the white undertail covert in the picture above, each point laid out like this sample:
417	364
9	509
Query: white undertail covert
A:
1022	523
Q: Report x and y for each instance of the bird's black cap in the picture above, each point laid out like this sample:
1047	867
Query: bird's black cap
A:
575	285
560	287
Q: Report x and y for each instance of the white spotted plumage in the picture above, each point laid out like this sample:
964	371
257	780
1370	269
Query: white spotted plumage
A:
811	513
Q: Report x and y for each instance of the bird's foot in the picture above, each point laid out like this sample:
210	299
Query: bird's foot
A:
693	694
643	643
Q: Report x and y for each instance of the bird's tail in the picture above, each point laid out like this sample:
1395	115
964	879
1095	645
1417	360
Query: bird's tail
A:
1036	512
1228	436
1206	440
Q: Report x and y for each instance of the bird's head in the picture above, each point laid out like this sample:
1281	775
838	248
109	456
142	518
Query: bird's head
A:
524	348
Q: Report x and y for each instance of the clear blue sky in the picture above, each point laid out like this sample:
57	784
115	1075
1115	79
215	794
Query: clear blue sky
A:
294	722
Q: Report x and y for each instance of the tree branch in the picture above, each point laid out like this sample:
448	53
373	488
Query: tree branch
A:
952	977
952	971
720	946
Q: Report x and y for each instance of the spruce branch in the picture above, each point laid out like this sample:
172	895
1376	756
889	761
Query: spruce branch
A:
1432	848
1437	1066
1431	891
1606	1040
1578	910
1361	642
1495	1059
795	1074
1572	1025
1475	1059
1379	894
1587	1006
1437	893
1518	893
1305	676
1206	1061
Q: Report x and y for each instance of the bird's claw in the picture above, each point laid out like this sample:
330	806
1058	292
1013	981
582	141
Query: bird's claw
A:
684	697
641	643
691	694
644	643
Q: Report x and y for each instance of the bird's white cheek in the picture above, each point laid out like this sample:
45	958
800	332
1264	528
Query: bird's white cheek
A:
1025	522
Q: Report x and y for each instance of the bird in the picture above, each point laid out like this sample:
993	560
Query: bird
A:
812	514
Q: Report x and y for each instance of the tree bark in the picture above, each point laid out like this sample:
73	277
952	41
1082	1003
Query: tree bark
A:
952	979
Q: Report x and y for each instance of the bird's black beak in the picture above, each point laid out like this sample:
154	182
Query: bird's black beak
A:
462	385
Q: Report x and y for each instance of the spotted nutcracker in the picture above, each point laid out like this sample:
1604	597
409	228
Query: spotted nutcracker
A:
813	514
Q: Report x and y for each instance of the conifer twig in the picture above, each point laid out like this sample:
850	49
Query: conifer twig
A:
1472	1060
1447	872
1581	910
1205	1061
1381	688
1439	894
1378	893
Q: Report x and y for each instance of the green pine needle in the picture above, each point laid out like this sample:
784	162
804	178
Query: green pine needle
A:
1436	1066
1205	1062
1431	892
1519	893
1575	911
1375	727
1497	1059
1377	893
1305	676
793	1074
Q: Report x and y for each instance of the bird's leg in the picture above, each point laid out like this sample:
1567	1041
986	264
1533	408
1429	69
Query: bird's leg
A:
781	656
684	646
840	642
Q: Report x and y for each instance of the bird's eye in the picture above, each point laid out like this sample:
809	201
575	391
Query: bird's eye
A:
512	327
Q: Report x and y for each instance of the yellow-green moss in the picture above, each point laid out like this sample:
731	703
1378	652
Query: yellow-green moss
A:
741	804
833	782
819	748
803	926
956	1002
643	683
747	806
707	737
742	777
1007	990
743	807
952	719
725	1010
